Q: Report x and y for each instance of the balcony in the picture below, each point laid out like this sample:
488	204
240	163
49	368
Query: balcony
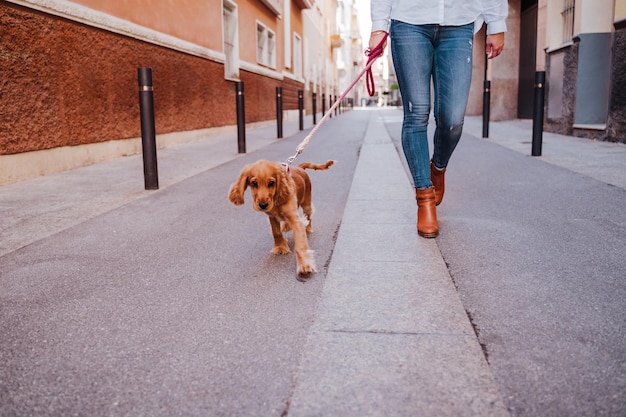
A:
274	5
304	4
336	41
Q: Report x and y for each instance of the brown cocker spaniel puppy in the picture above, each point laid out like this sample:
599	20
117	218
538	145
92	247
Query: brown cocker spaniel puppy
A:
279	191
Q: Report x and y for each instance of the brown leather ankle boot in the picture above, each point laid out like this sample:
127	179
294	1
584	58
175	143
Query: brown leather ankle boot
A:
437	177
427	225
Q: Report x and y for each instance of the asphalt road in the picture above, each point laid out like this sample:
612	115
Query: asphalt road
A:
171	304
537	253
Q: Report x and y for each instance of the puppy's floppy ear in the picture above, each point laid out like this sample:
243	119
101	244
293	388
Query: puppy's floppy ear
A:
235	195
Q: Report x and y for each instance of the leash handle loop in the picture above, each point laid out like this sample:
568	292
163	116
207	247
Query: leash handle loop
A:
372	55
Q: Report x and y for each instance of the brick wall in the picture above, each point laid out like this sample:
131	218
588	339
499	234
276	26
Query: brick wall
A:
64	83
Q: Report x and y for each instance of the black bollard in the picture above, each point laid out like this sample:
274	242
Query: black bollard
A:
486	95
330	104
301	109
279	112
148	131
314	108
241	117
323	104
540	80
336	107
486	107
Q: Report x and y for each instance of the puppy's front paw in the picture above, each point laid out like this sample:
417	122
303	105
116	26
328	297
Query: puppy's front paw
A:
306	263
280	250
306	269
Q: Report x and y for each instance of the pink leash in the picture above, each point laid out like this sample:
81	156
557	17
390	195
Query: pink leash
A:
369	80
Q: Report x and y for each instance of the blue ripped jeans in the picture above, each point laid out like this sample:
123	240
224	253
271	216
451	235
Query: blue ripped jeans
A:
443	53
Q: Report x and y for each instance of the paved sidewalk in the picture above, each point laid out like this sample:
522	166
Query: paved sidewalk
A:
603	161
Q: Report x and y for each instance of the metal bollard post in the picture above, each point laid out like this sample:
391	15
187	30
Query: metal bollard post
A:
241	117
323	104
330	104
148	131
540	80
279	112
300	109
314	108
486	107
486	93
337	107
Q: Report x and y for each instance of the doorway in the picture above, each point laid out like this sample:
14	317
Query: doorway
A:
527	59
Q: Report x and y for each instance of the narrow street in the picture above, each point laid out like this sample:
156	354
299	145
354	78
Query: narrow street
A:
171	304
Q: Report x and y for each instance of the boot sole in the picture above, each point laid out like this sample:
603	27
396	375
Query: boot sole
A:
428	235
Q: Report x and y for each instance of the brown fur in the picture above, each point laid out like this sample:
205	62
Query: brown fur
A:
279	193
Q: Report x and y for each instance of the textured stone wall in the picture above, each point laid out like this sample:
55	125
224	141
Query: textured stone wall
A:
563	124
616	129
64	83
616	123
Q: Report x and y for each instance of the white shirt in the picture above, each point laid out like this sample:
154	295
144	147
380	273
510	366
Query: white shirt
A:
441	12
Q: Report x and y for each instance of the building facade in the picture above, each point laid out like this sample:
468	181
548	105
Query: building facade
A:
581	46
320	28
68	72
585	65
349	55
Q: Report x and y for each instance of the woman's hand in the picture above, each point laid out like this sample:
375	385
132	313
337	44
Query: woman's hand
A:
375	38
494	44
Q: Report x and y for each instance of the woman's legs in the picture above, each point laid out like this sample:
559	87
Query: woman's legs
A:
452	76
443	53
413	51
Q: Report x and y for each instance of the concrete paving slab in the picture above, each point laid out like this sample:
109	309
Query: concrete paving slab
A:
375	242
392	297
376	211
381	374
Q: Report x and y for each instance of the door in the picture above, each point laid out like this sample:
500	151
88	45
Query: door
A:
527	60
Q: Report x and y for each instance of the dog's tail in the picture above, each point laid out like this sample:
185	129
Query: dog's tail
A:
317	167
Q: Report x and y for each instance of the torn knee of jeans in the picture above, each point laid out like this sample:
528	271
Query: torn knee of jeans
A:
455	127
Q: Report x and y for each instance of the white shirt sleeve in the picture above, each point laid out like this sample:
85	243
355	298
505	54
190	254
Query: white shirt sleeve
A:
494	13
380	11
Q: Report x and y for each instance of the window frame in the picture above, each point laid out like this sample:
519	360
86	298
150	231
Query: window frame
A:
265	45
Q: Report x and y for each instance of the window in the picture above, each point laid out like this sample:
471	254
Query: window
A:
297	56
568	20
231	46
287	26
266	46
